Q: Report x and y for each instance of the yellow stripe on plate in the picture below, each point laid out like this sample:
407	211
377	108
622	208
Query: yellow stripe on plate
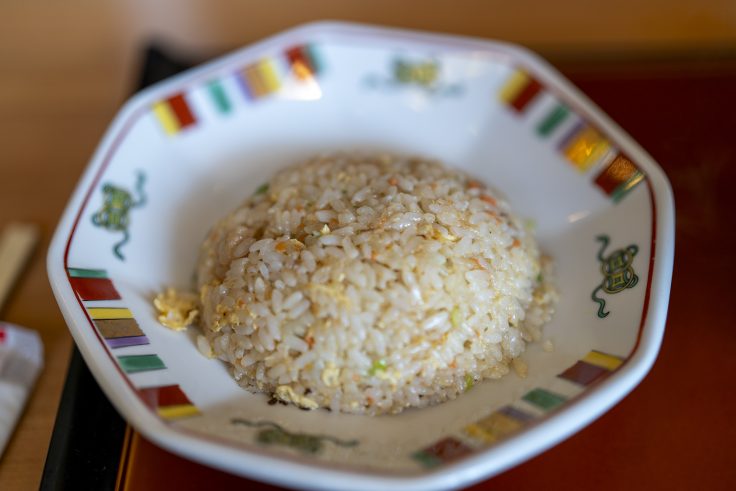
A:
493	427
603	360
587	147
178	411
100	313
301	70
270	79
517	81
166	117
254	82
262	78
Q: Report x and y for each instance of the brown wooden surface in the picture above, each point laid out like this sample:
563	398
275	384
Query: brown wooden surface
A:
66	66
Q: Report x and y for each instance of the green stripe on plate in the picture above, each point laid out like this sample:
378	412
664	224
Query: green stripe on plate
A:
624	188
140	363
87	273
552	120
314	58
544	399
427	460
217	91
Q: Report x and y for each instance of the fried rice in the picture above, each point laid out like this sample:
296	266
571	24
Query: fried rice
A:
370	284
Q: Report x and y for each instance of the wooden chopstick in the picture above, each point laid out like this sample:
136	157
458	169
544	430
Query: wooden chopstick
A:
17	243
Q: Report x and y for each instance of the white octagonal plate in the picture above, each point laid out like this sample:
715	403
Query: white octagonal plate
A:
184	152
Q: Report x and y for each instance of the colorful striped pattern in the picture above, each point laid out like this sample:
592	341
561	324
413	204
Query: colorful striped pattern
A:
442	452
603	360
169	402
140	363
582	145
304	61
257	80
544	399
260	79
583	373
120	330
592	367
619	178
174	114
554	118
92	284
117	326
510	419
498	424
109	313
219	97
519	90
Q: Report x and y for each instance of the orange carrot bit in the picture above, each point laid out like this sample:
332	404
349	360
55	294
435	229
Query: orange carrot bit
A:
475	185
516	243
495	216
453	364
281	247
310	341
488	199
478	263
393	181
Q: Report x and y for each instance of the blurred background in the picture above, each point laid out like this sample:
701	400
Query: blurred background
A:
66	67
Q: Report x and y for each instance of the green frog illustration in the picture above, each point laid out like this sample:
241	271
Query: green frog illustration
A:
273	434
423	74
115	212
618	272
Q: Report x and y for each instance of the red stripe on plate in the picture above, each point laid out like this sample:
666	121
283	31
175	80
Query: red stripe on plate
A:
94	288
168	395
181	109
615	174
448	449
298	54
525	96
583	373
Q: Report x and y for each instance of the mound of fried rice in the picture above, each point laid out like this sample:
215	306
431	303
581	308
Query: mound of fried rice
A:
370	284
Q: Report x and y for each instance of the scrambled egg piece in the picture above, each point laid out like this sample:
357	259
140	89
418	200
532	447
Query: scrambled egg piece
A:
389	375
177	310
520	367
434	233
287	394
331	375
333	290
287	245
204	347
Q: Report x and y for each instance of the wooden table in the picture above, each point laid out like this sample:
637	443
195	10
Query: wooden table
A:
66	67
